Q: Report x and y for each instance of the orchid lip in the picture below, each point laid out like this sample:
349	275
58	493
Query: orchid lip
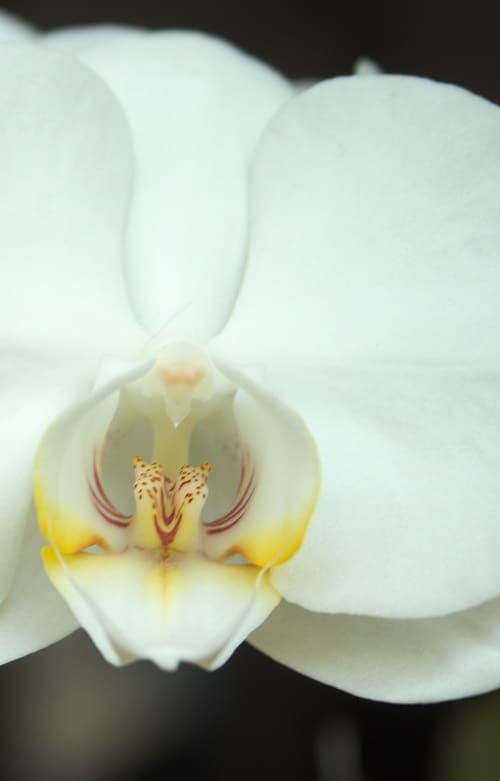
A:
172	476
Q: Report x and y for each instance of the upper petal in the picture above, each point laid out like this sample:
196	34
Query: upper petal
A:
76	40
12	28
375	227
66	162
421	660
196	107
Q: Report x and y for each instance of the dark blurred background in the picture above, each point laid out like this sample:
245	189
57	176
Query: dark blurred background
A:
447	40
66	714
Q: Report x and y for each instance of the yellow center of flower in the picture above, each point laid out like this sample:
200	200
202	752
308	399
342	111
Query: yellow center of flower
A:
168	510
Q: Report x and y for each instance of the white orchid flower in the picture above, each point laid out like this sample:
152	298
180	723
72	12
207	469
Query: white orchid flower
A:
206	272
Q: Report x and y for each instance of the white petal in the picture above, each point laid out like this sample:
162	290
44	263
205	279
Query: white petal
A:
65	157
384	248
12	28
279	484
196	108
68	469
164	607
375	230
77	40
33	390
33	615
398	661
408	519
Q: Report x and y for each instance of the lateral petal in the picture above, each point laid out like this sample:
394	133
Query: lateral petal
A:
375	243
375	230
408	519
66	161
33	615
420	660
166	607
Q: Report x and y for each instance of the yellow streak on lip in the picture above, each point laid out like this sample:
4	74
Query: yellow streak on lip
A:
277	545
165	582
66	531
170	579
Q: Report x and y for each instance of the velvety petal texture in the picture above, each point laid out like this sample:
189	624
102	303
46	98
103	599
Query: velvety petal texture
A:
411	465
422	660
66	162
375	222
374	216
194	131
